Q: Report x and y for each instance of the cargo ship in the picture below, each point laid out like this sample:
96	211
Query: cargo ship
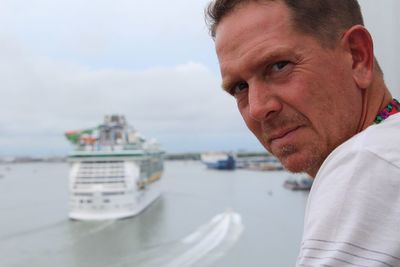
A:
219	160
114	172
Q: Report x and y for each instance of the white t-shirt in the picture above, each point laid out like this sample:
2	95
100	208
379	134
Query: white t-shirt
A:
353	212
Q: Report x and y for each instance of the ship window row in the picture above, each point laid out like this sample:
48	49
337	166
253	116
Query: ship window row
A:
89	201
100	177
113	165
101	173
101	182
102	167
102	170
109	165
103	162
106	206
109	186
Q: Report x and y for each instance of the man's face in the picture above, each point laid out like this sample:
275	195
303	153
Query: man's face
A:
298	98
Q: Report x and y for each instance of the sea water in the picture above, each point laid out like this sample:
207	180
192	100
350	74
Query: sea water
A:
203	218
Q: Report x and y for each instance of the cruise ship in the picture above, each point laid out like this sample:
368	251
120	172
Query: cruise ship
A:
114	172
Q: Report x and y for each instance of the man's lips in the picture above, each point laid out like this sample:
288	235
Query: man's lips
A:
282	133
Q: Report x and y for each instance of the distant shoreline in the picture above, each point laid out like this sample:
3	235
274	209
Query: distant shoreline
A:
168	156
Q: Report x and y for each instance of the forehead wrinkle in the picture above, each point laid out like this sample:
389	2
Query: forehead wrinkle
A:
232	53
251	27
232	46
236	46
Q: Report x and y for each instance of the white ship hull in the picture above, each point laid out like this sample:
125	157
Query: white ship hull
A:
134	202
107	189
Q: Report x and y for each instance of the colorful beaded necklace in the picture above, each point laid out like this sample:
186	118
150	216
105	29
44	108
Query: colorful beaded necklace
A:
392	108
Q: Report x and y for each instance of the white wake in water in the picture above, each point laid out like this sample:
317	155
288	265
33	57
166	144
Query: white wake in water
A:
208	243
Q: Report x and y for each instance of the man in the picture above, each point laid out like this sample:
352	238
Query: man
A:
309	88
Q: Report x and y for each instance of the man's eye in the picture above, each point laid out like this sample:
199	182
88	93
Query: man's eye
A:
239	88
279	65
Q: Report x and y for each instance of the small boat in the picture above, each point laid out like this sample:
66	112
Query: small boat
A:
219	160
303	183
114	172
259	163
266	166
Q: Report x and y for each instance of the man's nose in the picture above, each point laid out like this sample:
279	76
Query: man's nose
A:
263	103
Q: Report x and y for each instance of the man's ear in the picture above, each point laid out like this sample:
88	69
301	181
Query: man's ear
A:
359	44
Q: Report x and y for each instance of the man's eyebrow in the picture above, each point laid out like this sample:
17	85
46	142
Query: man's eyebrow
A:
226	84
265	58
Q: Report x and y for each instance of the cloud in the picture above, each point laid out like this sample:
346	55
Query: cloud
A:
44	98
133	34
66	64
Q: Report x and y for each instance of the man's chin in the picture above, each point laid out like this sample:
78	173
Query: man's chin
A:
294	168
296	162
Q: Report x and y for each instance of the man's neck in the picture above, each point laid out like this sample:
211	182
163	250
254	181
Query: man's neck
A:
375	99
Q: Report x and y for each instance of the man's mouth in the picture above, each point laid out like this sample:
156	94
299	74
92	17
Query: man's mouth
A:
282	135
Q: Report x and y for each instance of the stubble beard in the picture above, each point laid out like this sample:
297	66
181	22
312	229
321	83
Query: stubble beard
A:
308	161
295	158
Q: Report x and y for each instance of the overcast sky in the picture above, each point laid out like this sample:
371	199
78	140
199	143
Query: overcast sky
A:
66	64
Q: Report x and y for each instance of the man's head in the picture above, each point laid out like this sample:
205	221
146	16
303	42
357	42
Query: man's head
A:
299	71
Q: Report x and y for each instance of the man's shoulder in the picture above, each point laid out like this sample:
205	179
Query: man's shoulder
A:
379	141
353	207
378	136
